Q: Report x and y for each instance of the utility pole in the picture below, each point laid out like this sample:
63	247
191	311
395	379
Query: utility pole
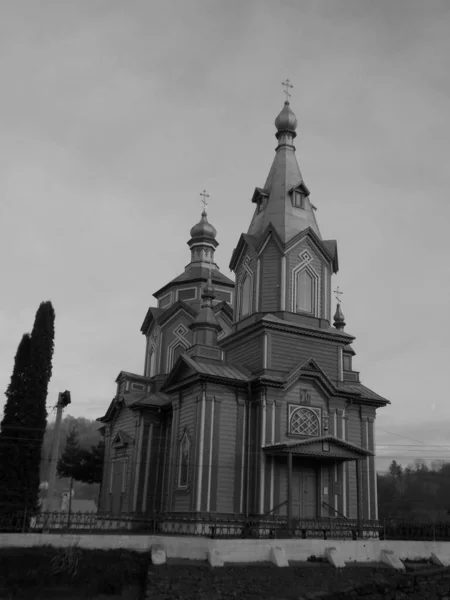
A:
63	401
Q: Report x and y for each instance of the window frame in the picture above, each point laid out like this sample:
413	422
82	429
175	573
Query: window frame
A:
294	409
186	290
184	441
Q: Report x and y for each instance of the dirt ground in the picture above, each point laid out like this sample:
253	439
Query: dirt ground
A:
251	582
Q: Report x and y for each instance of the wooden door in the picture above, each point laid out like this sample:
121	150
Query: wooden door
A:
304	493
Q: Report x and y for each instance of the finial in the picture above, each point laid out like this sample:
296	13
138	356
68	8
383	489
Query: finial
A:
204	195
287	84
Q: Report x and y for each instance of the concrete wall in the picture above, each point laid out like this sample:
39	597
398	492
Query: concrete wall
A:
232	550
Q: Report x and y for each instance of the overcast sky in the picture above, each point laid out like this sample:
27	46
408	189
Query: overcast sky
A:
115	114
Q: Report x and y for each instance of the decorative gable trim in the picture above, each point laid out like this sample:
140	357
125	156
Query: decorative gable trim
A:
178	306
121	439
245	242
314	238
180	340
270	233
311	369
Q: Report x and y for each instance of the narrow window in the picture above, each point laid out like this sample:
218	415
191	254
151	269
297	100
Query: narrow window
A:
305	290
183	468
298	199
177	352
153	362
246	295
347	362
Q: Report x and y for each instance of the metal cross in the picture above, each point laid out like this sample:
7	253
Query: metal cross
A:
336	291
287	84
204	195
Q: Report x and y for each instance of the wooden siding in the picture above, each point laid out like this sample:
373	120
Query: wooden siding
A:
292	261
227	447
239	274
270	278
186	422
287	350
248	353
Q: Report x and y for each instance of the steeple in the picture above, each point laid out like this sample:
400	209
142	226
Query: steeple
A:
284	200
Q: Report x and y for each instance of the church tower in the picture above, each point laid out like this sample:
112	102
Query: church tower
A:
310	419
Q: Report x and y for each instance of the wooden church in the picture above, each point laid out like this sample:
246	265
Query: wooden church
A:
249	404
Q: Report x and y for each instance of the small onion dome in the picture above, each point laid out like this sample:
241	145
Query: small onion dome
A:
339	321
203	228
286	120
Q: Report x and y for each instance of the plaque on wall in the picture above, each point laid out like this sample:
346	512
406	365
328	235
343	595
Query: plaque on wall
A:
305	397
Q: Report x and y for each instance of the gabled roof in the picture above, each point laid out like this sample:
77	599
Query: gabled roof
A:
311	368
301	187
215	370
196	274
270	232
245	240
152	315
324	446
223	307
129	375
259	193
322	332
174	308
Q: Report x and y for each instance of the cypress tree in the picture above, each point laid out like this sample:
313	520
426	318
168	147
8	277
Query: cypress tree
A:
25	419
13	476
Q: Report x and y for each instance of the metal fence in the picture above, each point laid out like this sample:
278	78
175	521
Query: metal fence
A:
206	525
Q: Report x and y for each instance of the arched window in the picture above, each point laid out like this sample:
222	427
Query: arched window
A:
304	422
183	463
152	362
246	296
305	292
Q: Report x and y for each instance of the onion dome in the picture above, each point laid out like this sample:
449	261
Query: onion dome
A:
203	228
286	120
339	321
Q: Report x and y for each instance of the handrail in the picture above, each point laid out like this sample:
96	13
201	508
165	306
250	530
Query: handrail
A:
335	510
275	508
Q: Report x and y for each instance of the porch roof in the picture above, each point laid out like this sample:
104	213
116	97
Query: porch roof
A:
320	447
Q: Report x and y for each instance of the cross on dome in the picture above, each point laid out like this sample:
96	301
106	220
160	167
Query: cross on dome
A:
204	195
336	291
287	84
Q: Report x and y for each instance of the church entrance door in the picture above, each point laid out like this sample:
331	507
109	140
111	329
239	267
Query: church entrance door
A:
304	492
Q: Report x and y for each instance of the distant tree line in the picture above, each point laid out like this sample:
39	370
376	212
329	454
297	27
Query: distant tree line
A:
416	493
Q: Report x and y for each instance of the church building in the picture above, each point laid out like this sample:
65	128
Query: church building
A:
249	403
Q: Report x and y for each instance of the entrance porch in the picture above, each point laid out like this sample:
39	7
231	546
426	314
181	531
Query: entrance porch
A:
312	485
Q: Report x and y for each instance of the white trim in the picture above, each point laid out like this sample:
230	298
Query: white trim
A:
272	484
344	469
186	289
164	476
340	365
298	270
273	422
283	284
344	489
111	476
200	451
124	474
368	472
269	236
265	351
243	460
262	467
138	462
325	293
249	416
211	438
179	340
334	487
169	295
246	272
147	467
335	422
258	275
